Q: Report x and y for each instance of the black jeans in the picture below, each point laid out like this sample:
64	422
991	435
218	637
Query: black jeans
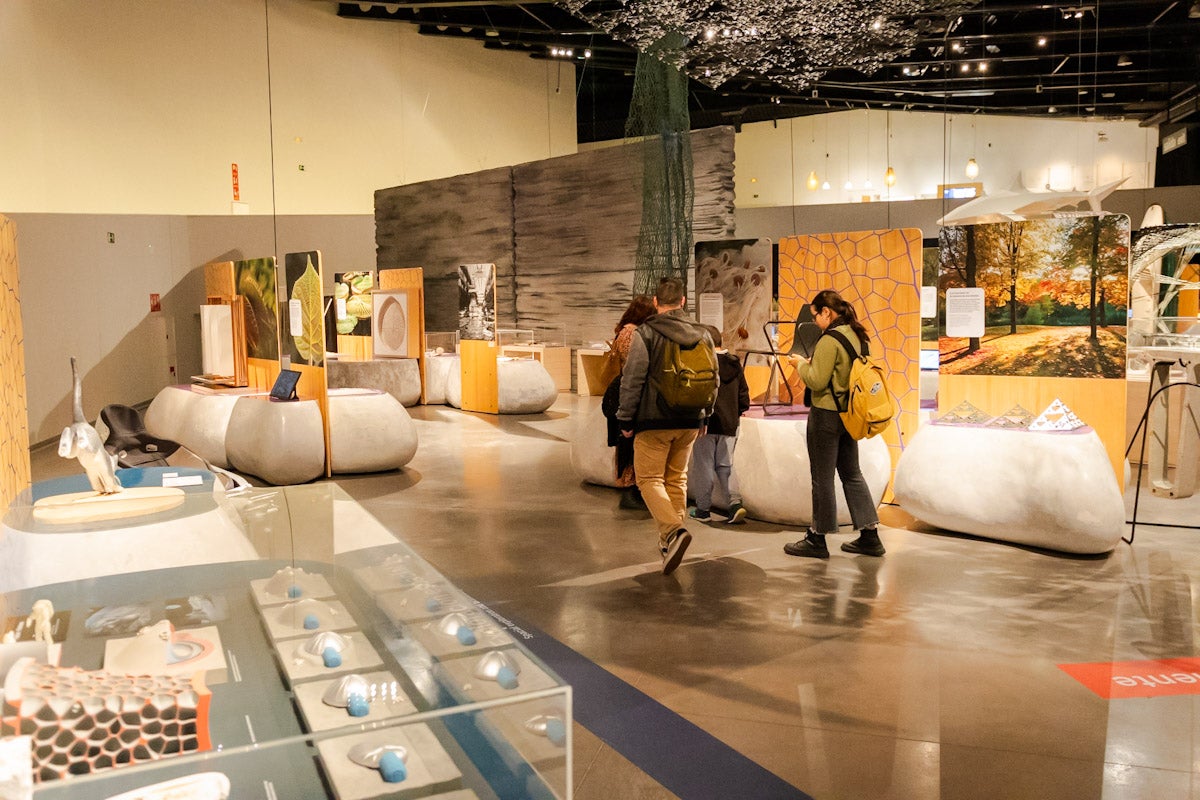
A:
830	448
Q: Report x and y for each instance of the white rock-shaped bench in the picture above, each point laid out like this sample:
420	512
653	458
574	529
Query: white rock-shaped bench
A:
524	387
1054	490
197	421
282	442
369	431
399	377
771	463
591	457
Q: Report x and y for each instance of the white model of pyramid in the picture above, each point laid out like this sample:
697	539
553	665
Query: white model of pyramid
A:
1056	417
1015	417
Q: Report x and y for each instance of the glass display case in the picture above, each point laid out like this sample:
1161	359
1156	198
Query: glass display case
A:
316	657
546	344
441	342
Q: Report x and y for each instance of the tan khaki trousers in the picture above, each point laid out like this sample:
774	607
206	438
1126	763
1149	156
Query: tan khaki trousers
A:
660	463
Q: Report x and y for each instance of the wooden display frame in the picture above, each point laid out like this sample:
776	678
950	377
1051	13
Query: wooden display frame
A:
411	279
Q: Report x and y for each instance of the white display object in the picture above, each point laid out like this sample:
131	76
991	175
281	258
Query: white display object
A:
711	309
389	325
1056	417
1055	490
964	313
928	302
216	339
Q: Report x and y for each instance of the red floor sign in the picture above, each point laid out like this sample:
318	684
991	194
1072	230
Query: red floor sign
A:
1169	676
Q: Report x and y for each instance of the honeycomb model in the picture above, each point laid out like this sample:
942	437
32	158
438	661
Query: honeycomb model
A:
879	273
83	722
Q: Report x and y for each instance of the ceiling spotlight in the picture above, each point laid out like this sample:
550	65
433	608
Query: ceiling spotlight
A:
1108	95
587	53
983	66
709	33
907	71
1052	110
877	24
1124	61
553	51
1041	41
956	47
570	52
966	67
1083	92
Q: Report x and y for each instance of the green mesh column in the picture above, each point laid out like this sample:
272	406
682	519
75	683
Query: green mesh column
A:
658	116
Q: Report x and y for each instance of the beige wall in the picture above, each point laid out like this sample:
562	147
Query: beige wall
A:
127	107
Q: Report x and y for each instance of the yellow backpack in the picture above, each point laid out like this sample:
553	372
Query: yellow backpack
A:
869	406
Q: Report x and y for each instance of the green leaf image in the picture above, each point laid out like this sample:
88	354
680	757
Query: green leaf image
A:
256	283
360	282
311	341
346	325
341	291
359	306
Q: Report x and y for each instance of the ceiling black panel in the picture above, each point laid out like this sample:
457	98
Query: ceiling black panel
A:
1134	59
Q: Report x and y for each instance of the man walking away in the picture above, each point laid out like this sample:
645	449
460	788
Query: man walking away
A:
661	411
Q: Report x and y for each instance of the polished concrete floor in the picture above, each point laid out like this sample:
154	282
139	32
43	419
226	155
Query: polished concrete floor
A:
929	673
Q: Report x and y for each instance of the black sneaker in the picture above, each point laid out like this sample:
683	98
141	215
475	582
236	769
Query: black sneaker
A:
700	514
811	546
866	544
631	500
672	554
737	515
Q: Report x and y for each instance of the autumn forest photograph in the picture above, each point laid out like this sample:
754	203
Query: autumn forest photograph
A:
1056	295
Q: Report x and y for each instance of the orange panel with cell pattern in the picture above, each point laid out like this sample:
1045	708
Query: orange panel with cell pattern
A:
879	273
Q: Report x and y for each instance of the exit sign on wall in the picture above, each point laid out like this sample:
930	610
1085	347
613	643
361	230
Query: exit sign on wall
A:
1120	679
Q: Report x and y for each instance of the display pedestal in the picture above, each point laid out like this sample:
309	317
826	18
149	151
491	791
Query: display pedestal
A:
523	387
556	360
771	464
65	509
369	431
281	442
1158	457
589	363
594	461
1046	489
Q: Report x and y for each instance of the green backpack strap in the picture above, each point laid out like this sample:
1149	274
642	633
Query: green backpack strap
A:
854	356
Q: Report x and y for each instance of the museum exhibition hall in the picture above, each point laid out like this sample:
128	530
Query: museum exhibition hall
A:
317	378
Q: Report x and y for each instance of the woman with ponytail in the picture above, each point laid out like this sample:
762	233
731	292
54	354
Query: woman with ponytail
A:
830	448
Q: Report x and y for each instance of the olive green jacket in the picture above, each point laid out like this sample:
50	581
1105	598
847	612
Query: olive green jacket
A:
828	373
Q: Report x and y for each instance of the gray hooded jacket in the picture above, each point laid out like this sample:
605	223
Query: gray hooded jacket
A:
639	398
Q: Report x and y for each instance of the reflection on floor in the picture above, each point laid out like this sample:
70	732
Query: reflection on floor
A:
929	673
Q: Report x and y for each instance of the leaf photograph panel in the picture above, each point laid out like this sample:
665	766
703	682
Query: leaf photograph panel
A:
254	280
352	298
303	312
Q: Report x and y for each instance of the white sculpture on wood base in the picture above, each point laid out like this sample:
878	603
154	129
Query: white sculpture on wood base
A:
108	500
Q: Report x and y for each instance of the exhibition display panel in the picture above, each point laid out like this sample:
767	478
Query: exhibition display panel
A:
308	653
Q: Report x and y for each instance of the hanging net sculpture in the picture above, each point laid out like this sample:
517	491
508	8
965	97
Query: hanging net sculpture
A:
658	118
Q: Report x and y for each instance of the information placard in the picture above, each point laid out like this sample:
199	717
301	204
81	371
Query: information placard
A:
964	313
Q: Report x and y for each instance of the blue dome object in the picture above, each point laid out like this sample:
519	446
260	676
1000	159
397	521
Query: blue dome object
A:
311	623
357	706
432	604
392	768
506	678
294	591
331	657
556	731
465	636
